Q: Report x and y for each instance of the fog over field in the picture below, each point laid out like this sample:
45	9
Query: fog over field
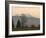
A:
30	20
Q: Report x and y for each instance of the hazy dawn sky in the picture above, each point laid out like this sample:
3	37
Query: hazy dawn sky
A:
34	11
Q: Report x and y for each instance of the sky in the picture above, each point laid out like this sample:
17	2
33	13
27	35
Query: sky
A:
34	11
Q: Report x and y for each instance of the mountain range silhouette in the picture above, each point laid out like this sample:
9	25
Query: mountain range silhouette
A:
30	20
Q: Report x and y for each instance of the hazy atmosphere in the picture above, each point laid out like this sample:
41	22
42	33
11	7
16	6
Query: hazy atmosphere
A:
34	11
25	18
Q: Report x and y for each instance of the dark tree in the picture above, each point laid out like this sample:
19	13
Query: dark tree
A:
33	26
39	26
18	24
12	24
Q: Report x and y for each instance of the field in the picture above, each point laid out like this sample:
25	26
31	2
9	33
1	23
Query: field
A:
26	28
